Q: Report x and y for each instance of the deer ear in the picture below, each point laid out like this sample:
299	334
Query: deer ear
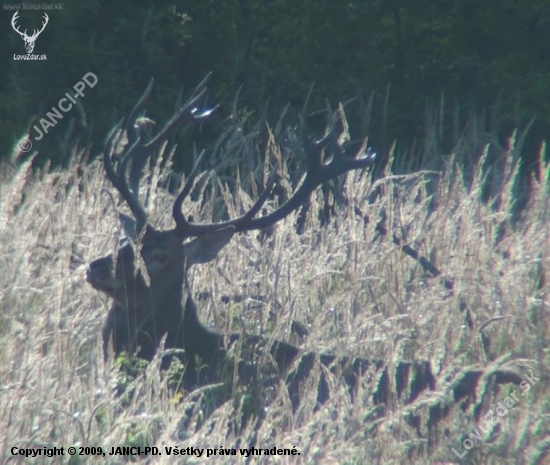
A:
205	248
129	225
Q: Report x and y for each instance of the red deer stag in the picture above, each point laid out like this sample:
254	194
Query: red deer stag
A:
143	314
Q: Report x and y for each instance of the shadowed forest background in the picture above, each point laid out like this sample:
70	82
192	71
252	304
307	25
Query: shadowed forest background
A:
402	67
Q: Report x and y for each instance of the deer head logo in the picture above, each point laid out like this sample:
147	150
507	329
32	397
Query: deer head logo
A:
29	40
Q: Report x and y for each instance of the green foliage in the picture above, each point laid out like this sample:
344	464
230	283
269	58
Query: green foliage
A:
175	375
130	368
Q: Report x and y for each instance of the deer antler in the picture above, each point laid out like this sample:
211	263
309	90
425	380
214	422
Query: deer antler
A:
317	173
137	151
318	170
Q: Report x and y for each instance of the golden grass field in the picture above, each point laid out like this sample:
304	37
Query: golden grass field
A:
355	291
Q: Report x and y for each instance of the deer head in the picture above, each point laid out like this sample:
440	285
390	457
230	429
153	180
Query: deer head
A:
145	311
29	40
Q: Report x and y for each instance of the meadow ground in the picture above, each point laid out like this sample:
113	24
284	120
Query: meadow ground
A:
354	290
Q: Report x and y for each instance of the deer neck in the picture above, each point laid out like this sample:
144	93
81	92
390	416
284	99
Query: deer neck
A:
198	339
159	310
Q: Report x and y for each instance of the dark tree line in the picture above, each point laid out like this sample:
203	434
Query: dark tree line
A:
399	59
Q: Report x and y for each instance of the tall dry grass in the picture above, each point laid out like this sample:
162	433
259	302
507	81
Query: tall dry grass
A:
356	292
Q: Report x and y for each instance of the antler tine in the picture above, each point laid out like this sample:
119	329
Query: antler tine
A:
187	113
118	178
187	229
140	152
131	128
176	209
314	149
107	153
339	163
